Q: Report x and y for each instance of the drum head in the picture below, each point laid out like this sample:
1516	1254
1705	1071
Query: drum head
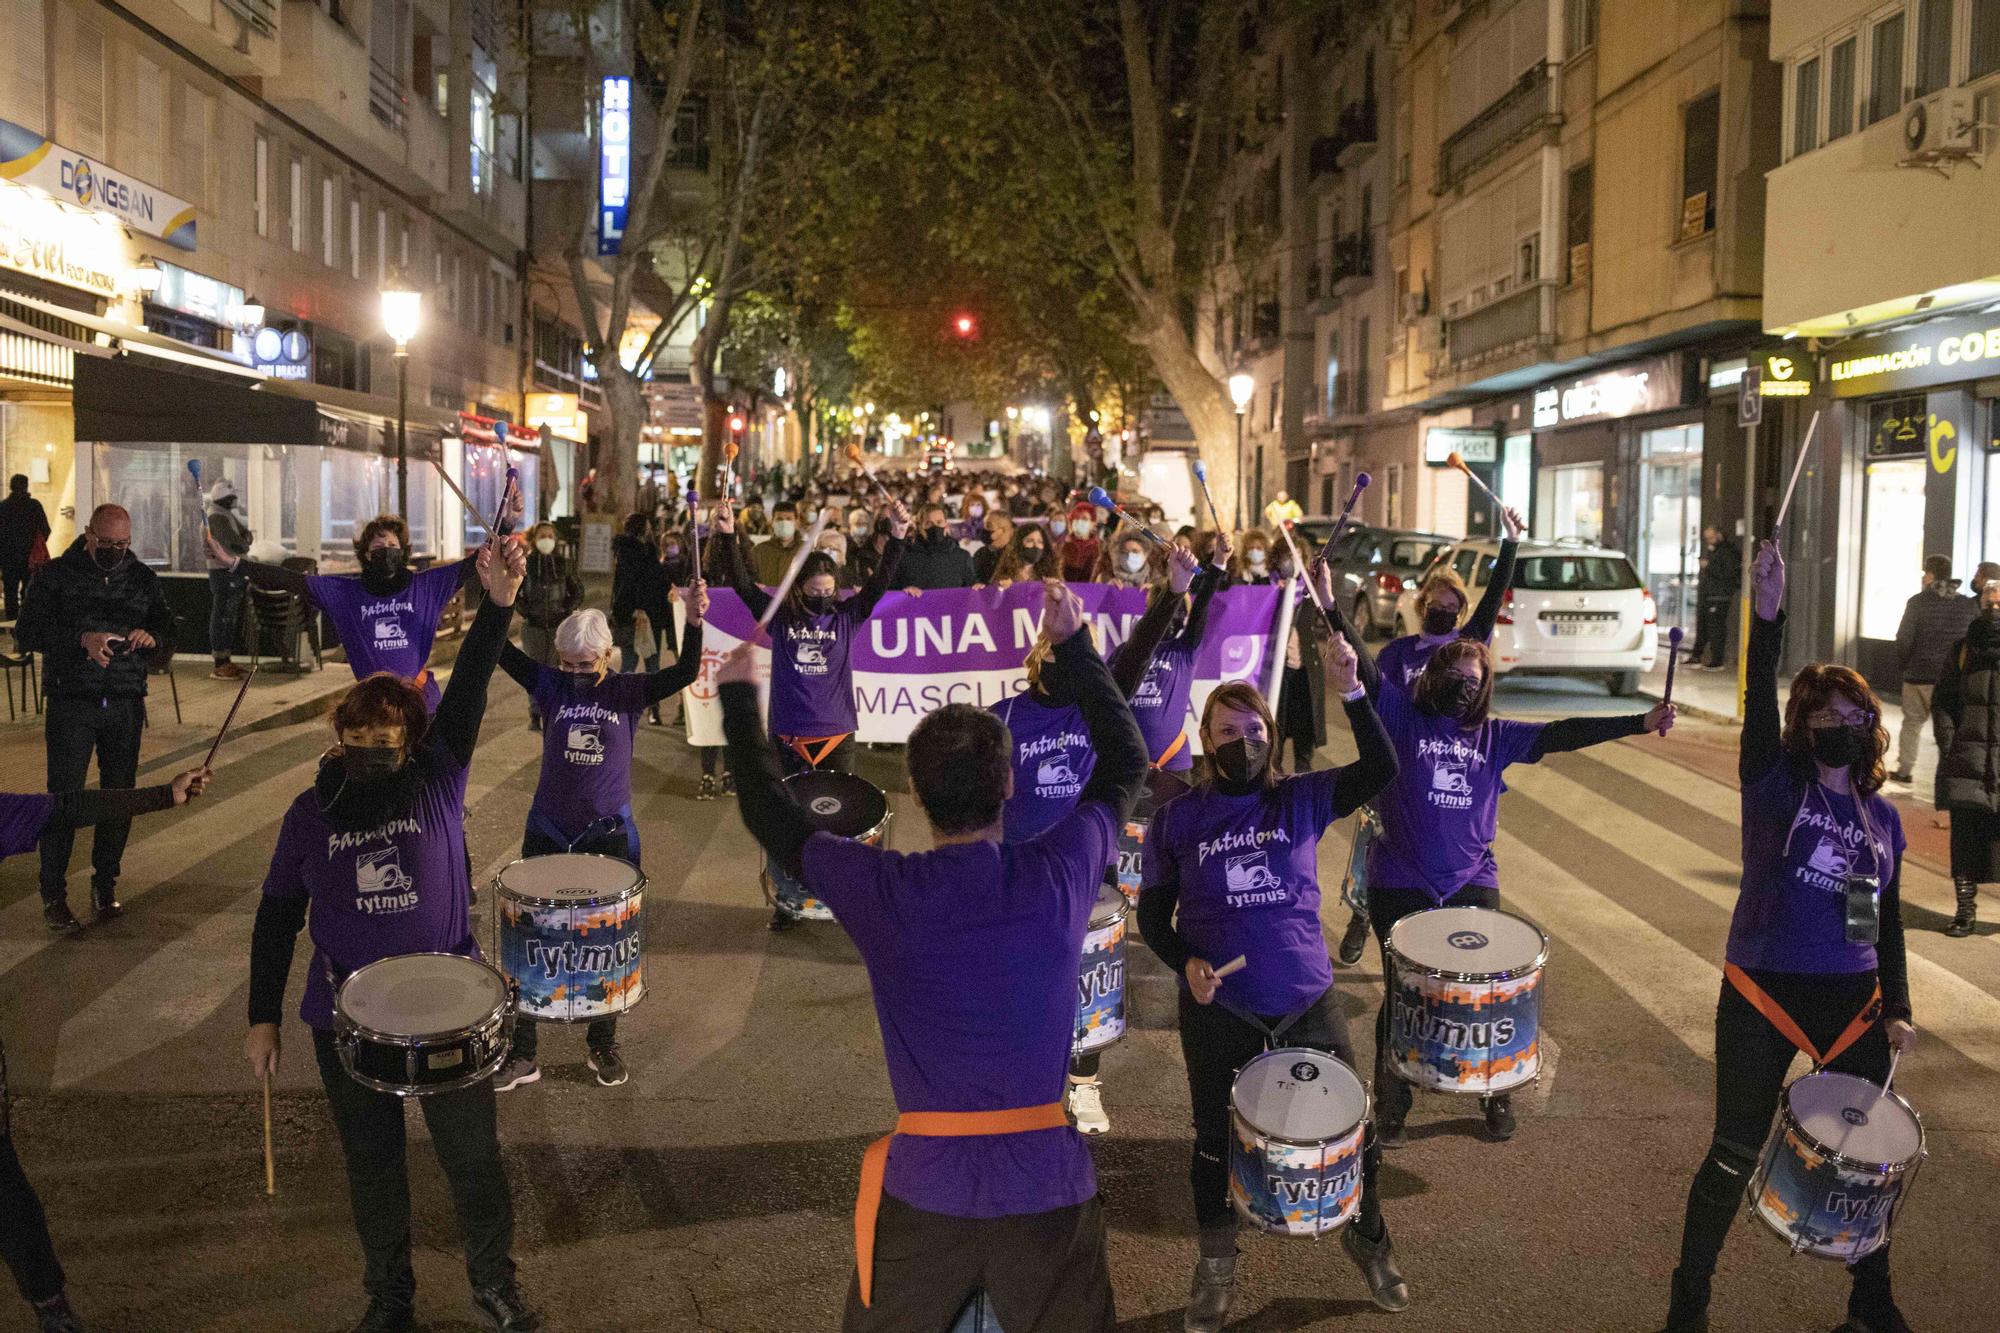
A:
1850	1116
422	994
1299	1095
1476	941
563	876
1111	904
838	803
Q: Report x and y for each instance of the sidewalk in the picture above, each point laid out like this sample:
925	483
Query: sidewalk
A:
1710	696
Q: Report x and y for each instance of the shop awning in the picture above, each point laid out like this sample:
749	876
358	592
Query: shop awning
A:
120	400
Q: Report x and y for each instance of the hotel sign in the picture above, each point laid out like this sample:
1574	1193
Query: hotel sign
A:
614	161
26	158
1945	352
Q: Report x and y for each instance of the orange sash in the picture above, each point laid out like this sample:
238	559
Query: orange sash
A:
803	746
932	1125
1761	1000
1180	743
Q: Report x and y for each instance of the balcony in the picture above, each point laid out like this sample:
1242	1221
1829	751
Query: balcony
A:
489	196
1524	320
388	96
1526	108
1323	158
1353	261
1356	136
329	84
238	37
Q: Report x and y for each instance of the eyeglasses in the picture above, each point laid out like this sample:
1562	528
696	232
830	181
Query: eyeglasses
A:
1828	717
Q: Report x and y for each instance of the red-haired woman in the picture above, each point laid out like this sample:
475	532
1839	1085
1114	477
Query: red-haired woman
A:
1817	833
376	850
1195	922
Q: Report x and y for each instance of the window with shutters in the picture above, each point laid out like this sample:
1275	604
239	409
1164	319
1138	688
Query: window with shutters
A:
1701	129
1885	68
142	135
191	130
381	247
260	186
1577	223
1490	59
24	62
1480	241
298	205
80	92
1805	106
1934	24
1983	55
353	238
329	221
1840	89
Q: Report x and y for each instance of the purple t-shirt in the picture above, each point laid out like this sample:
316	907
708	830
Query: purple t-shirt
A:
1442	811
1402	660
1247	868
1800	842
1052	762
971	951
812	685
390	632
587	729
22	816
375	893
1160	705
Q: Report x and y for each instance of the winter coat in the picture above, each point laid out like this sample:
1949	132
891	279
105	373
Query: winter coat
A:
1934	621
1721	576
230	531
71	597
550	592
1965	717
22	520
929	564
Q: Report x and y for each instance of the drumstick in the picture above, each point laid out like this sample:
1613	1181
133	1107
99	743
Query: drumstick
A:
694	525
241	690
463	499
1346	512
1457	460
729	452
1102	499
1895	1054
270	1163
854	457
1805	449
1236	964
1285	530
1201	475
1673	656
792	574
500	515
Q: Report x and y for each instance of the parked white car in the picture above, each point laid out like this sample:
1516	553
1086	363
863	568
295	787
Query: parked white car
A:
1574	610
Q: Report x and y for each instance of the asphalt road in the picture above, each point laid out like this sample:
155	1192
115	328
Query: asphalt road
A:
713	1191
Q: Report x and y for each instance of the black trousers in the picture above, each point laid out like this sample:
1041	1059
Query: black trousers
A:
1751	1061
13	578
24	1228
602	1034
1975	833
1711	628
1387	906
1214	1045
373	1140
1042	1272
75	729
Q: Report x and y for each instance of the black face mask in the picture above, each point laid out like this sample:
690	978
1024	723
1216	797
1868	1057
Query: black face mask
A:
934	533
817	604
1457	698
385	562
1439	621
1842	747
226	502
1242	761
108	558
1032	554
366	762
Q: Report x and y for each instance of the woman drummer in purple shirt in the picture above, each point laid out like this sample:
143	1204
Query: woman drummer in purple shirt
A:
1815	942
1441	814
374	855
1231	869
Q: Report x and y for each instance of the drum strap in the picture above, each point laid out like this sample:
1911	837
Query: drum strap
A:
938	1125
1760	999
803	746
1271	1033
1180	743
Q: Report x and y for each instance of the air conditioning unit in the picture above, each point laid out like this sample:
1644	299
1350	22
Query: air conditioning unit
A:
1945	125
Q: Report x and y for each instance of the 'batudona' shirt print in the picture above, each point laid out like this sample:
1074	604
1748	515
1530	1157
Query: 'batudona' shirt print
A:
1052	761
389	631
812	691
1160	704
1801	843
587	729
1248	872
401	887
1442	811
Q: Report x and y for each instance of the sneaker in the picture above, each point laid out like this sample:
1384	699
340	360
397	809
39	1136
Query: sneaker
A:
227	671
608	1065
59	918
1499	1116
56	1316
709	786
386	1316
505	1308
515	1072
653	716
104	902
1086	1106
1355	941
728	784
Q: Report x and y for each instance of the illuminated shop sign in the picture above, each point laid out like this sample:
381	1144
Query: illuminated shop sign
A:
283	354
39	237
614	159
1474	446
26	158
1787	375
1945	352
1653	385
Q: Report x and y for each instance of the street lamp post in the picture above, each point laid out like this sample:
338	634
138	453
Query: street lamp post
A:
402	310
1241	387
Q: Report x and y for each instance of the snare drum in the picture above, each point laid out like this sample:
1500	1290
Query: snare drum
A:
1465	996
836	803
1161	787
421	1023
1838	1165
1100	978
569	935
1300	1119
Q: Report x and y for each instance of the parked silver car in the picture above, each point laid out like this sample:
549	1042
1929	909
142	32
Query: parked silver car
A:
1372	566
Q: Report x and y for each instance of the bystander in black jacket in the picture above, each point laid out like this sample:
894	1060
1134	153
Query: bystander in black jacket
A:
1721	576
1934	621
73	596
935	562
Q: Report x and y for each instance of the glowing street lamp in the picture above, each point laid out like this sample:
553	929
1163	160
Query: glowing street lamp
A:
1242	387
402	313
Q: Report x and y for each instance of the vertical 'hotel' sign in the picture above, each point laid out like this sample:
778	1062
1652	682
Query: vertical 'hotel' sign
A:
614	158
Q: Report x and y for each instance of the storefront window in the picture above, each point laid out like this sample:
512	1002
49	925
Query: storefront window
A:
1517	472
38	441
353	489
1893	550
1670	539
1569	502
168	499
485	479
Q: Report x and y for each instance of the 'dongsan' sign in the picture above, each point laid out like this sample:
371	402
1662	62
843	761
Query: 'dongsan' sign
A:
26	158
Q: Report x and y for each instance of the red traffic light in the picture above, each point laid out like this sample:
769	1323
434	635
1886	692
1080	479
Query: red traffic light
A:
964	325
736	424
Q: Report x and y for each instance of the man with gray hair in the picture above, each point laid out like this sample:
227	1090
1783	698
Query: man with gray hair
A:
96	615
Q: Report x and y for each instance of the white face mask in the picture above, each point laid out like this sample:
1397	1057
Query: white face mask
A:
1255	557
1081	528
783	529
1134	561
545	545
